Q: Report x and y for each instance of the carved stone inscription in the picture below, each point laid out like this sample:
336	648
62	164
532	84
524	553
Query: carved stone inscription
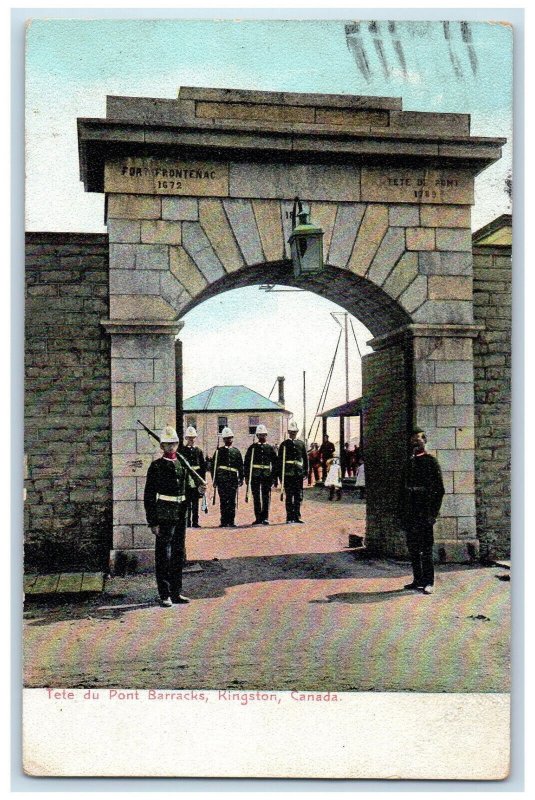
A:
416	186
167	176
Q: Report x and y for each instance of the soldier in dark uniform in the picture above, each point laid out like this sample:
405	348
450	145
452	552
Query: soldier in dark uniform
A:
195	458
421	494
293	466
261	474
165	507
326	452
228	477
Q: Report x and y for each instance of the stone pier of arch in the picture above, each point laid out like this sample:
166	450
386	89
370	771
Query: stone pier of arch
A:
199	192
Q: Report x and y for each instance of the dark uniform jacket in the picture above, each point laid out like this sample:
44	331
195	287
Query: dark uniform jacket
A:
229	466
296	461
264	464
195	458
168	478
421	490
326	451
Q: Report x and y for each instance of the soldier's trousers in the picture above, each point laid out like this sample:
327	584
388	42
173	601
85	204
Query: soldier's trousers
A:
261	489
227	502
192	507
293	489
169	557
420	545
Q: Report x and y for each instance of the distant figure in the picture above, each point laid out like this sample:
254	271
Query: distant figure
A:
354	460
334	479
327	452
360	479
346	461
314	463
195	458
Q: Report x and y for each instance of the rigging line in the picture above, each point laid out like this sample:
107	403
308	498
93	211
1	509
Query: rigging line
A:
326	384
271	392
355	338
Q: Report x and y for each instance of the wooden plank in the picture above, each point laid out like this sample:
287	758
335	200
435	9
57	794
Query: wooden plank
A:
28	582
45	584
69	582
92	582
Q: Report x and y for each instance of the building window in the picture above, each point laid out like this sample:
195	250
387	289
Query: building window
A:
253	422
191	421
222	422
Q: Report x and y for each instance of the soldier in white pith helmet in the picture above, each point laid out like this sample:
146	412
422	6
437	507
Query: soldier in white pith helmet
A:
228	467
293	466
195	458
165	507
261	474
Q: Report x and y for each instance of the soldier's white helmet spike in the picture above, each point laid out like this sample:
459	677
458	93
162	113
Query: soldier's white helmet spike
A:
292	425
190	431
261	429
226	433
168	435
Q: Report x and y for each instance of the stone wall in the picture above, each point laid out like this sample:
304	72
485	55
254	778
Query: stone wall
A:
492	371
68	508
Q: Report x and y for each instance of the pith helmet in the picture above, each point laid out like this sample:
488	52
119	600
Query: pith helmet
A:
226	433
292	425
261	429
190	431
168	435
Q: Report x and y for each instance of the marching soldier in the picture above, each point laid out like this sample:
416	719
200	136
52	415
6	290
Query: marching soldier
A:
195	458
228	477
293	466
261	474
165	507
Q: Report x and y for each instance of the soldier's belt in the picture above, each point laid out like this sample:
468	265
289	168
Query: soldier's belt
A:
171	498
294	462
263	466
229	469
194	467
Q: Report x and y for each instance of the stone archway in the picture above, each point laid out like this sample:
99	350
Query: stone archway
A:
199	194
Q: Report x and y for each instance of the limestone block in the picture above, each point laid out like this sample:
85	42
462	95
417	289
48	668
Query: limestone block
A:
160	231
445	263
145	443
445	528
124	230
154	394
129	370
142	307
463	482
424	371
441	438
318	182
434	394
467	526
216	226
180	208
122	256
123	441
390	251
126	418
324	215
198	247
449	349
406	216
128	512
402	275
254	111
373	227
415	294
140	486
349	118
456	460
454	239
420	238
122	394
445	216
453	312
130	206
164	368
157	175
122	537
449	287
458	505
165	415
171	290
463	393
426	416
447	480
242	220
151	256
464	438
458	416
268	220
143	536
454	371
130	465
124	488
186	271
142	281
425	186
346	226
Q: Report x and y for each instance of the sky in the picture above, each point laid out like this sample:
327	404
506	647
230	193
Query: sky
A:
73	64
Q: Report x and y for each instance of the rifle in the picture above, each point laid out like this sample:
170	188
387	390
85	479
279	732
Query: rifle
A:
250	474
179	456
283	471
215	472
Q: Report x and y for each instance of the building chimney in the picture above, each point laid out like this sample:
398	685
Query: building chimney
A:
280	401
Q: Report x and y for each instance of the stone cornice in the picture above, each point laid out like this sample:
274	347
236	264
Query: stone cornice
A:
414	330
142	326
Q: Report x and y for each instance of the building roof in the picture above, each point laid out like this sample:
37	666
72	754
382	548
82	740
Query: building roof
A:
499	233
230	398
351	409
